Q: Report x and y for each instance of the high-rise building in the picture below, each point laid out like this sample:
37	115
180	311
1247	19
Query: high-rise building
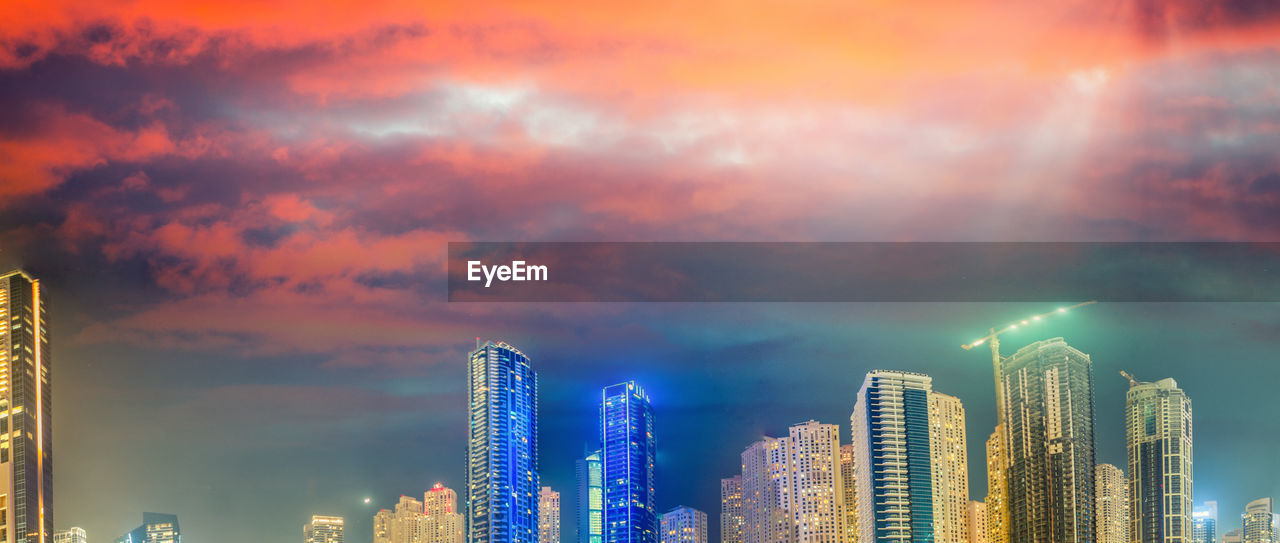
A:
383	521
1158	421
548	516
409	522
323	529
629	457
1048	416
1233	536
502	455
684	525
1112	511
1204	523
977	522
850	481
590	510
731	510
817	489
1258	520
155	528
766	492
891	450
71	535
26	399
442	522
950	460
997	501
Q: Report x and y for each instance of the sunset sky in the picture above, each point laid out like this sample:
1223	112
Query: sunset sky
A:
241	210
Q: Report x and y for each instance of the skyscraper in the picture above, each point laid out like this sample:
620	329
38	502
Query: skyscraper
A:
548	515
850	481
1204	523
155	528
502	456
950	460
323	530
1048	416
627	442
71	535
997	501
590	511
409	522
731	509
382	523
1112	512
817	488
766	492
1158	422
442	521
684	525
1257	520
1233	536
26	398
891	450
977	522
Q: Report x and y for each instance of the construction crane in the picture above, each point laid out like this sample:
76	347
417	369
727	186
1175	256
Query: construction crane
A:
1132	382
993	338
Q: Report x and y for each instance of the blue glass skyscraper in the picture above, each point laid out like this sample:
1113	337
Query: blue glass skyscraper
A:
502	456
891	440
628	456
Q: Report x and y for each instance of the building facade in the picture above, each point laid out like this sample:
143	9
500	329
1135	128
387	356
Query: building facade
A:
892	453
684	525
382	522
766	491
731	520
442	523
997	501
1204	523
590	510
26	402
71	535
155	528
502	454
1112	512
849	478
950	459
1258	521
548	515
817	488
323	529
628	459
977	522
1158	431
1048	416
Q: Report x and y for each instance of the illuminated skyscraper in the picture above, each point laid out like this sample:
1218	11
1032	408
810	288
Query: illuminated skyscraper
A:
26	401
548	515
997	501
766	491
409	523
891	450
442	522
323	530
1258	520
684	525
731	510
1204	523
1048	413
155	528
950	460
382	523
850	481
502	456
71	535
629	456
1158	421
590	511
817	488
1112	511
977	522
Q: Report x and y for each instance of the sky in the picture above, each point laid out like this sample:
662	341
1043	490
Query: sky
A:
241	210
